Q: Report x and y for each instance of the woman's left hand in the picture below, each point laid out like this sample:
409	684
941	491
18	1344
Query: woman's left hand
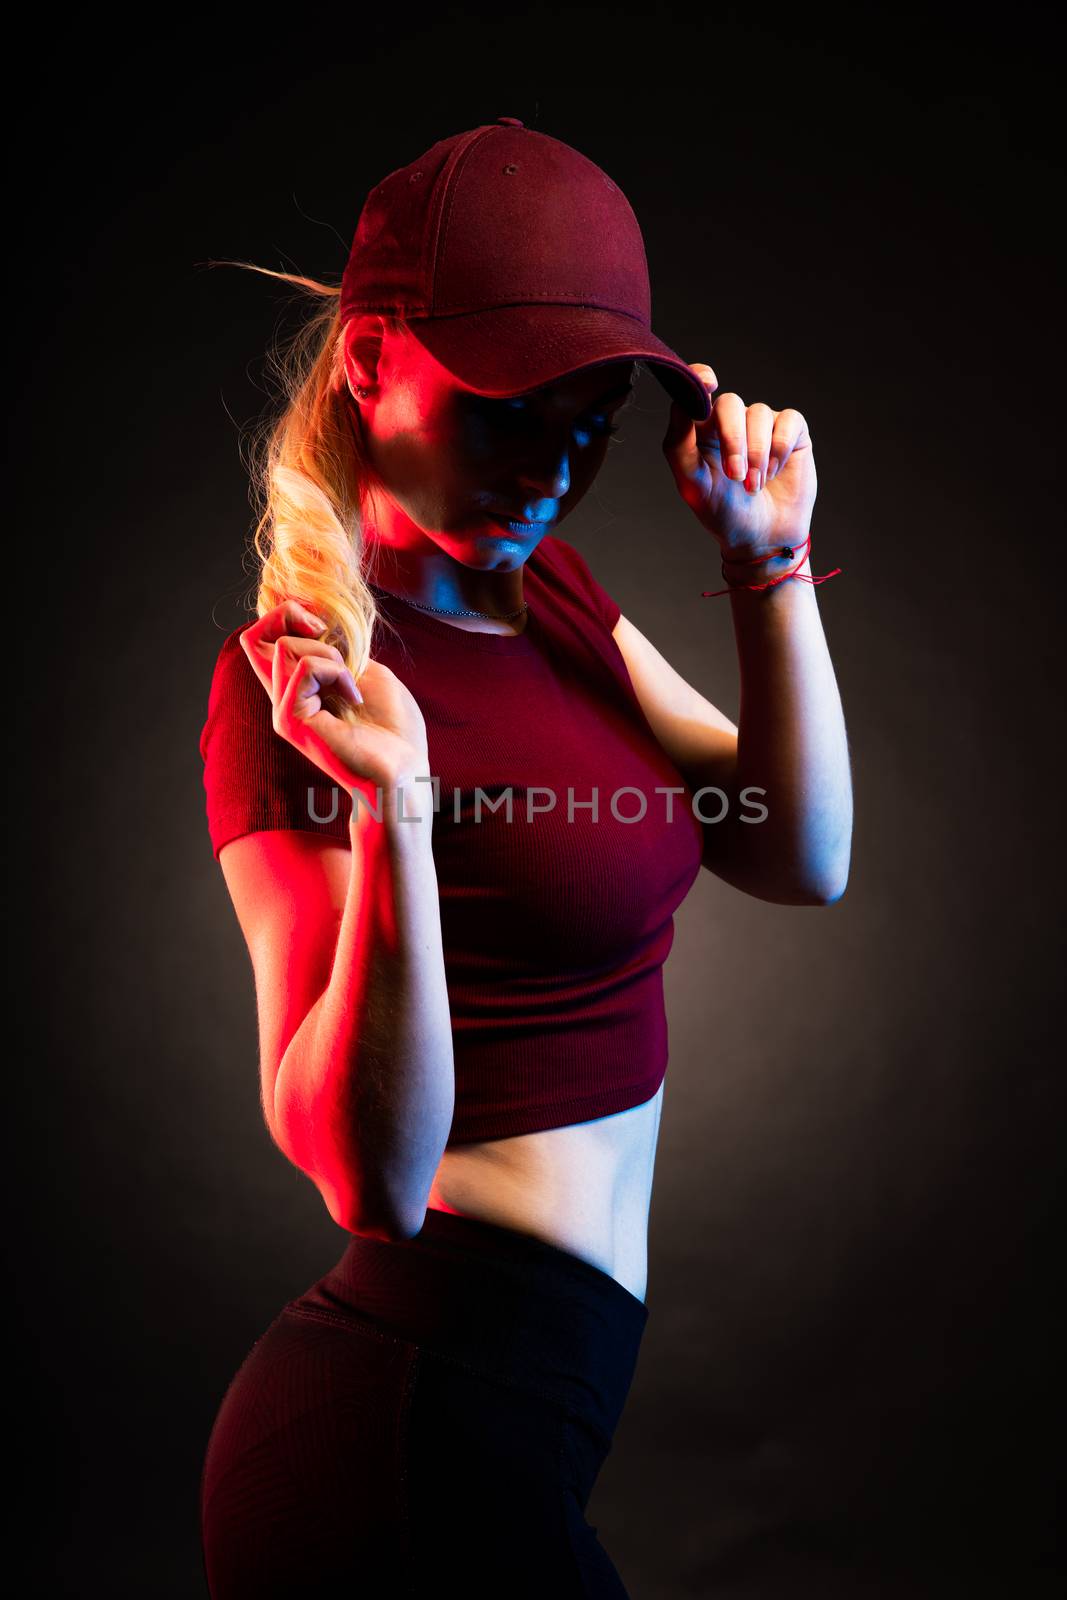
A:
764	498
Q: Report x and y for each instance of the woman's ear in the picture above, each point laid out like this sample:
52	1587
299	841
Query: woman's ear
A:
363	339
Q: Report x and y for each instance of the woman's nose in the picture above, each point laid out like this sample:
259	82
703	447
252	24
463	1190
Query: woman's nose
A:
552	481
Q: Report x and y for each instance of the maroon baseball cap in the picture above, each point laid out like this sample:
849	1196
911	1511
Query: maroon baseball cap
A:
515	261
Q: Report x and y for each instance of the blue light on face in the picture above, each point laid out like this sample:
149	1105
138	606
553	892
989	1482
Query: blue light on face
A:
594	424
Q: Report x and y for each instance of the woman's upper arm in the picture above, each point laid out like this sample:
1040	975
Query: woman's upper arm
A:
697	736
289	890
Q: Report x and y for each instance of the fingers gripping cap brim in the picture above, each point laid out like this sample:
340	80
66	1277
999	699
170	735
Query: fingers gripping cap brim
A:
512	349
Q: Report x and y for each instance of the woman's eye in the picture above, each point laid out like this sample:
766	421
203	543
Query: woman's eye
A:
516	412
602	426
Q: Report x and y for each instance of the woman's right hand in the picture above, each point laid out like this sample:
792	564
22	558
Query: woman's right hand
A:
386	747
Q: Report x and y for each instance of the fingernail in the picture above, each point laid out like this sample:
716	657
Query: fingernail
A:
753	480
736	467
772	468
355	687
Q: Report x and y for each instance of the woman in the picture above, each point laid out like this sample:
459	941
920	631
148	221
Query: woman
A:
456	798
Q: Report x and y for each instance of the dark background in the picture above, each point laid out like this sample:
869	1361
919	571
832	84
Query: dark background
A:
846	1385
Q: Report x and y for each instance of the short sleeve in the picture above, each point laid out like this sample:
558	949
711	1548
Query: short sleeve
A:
253	778
576	568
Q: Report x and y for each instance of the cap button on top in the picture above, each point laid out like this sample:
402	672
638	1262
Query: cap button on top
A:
509	122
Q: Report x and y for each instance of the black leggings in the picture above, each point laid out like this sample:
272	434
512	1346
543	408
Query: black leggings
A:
432	1410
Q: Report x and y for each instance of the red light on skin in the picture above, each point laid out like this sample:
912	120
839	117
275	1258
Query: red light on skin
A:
439	448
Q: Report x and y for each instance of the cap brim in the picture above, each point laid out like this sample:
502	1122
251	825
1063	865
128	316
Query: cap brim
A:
512	349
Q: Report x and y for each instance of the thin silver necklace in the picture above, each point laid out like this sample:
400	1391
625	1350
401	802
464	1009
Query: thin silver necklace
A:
493	616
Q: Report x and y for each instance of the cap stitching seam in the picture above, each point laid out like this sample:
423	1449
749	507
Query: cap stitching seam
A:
447	204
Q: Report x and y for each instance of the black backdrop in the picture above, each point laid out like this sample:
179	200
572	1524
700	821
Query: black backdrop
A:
846	1384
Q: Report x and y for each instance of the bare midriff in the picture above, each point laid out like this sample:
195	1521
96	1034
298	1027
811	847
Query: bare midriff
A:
585	1188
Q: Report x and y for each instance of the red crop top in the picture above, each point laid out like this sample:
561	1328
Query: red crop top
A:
555	931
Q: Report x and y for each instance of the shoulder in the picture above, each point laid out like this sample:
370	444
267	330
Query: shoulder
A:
230	651
232	671
235	694
230	664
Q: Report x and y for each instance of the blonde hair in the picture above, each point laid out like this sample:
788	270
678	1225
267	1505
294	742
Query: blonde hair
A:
308	478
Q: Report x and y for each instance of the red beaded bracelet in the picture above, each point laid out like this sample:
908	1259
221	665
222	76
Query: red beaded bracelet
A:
788	551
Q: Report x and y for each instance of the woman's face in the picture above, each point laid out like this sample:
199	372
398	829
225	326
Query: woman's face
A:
457	466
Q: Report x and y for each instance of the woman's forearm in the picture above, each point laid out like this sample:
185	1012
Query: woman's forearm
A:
364	1096
792	743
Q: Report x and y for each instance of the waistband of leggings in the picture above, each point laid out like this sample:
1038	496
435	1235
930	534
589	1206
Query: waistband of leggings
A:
503	1303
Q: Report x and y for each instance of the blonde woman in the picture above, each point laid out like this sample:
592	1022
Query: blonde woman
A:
456	798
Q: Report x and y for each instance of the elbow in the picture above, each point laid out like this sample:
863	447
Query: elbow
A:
409	1226
361	1199
378	1211
823	878
825	897
391	1199
829	888
392	1226
372	1216
793	872
824	888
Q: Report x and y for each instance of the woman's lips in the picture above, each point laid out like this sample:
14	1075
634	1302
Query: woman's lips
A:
517	522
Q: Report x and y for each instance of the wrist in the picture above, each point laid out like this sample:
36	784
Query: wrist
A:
785	552
761	569
400	807
772	579
768	570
